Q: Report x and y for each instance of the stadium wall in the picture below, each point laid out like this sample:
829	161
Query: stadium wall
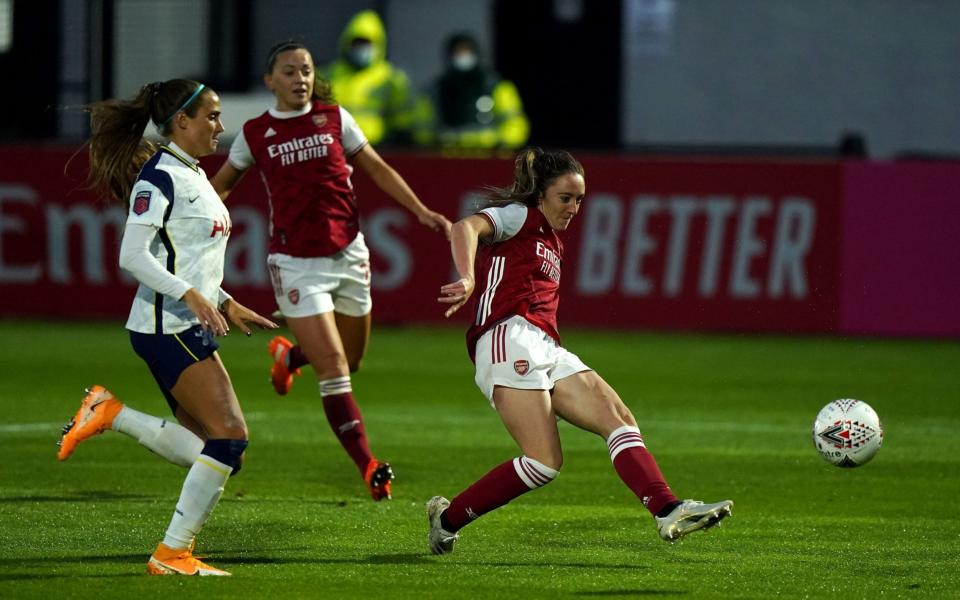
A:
705	245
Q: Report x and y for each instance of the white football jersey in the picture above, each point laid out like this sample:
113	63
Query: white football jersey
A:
173	195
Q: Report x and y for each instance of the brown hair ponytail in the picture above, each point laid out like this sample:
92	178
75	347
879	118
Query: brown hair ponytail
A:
534	171
118	149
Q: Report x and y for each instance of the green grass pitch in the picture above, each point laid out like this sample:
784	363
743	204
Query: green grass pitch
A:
726	416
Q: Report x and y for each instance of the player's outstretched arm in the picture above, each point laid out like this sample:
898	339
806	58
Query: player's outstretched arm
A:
240	315
464	237
225	179
388	180
208	315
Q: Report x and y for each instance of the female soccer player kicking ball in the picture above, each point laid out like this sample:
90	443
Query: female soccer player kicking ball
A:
520	365
173	244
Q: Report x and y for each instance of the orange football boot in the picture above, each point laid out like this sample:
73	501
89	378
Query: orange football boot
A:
179	561
379	476
95	416
281	376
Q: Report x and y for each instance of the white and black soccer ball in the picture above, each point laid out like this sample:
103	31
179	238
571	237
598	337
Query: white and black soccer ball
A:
847	433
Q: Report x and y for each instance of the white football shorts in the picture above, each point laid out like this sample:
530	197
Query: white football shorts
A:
304	287
517	354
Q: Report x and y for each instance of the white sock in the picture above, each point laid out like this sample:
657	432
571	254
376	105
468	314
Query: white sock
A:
201	492
173	442
622	438
533	472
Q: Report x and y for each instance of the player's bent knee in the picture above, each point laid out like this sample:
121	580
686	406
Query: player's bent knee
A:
534	473
234	430
329	364
627	417
226	451
554	462
551	459
616	413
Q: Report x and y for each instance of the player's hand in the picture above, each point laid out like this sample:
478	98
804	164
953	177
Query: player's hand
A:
456	294
241	315
436	222
210	318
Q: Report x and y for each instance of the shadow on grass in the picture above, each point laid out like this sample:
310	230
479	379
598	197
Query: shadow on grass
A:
242	498
238	557
556	564
77	561
632	593
397	559
105	496
381	559
425	559
74	560
86	496
408	559
38	576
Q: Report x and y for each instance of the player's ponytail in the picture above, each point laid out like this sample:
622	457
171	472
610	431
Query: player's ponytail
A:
117	147
323	91
534	171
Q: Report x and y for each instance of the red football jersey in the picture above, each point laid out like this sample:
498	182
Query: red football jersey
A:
518	276
313	210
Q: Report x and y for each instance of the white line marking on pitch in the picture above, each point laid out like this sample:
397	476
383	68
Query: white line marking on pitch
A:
28	427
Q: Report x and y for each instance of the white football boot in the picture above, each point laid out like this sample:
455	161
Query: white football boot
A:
690	516
439	540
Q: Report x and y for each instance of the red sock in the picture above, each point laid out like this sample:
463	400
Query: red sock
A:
638	469
501	485
344	417
296	358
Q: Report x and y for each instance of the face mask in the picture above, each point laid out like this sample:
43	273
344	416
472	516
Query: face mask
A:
361	55
464	61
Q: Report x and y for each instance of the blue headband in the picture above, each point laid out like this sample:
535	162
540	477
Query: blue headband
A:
184	106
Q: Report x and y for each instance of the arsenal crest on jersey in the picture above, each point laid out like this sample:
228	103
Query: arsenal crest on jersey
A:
141	202
319	120
293	296
521	367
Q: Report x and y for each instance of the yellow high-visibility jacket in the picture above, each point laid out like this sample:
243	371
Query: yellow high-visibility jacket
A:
378	96
490	118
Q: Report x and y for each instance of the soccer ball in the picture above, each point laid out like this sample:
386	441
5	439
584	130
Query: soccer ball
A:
847	433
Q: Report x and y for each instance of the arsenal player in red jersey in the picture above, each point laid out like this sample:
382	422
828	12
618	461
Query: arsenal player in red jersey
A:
306	147
521	367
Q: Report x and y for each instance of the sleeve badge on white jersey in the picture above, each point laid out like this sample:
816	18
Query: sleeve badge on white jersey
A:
141	202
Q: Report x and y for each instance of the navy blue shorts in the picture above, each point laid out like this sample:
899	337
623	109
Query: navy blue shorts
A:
168	355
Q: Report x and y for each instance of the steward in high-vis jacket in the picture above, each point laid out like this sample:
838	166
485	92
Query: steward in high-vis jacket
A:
375	92
470	107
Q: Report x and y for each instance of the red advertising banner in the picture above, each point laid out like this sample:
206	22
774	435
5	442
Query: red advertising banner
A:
901	258
678	245
705	245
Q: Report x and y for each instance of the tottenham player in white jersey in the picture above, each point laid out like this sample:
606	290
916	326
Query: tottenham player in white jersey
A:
173	244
